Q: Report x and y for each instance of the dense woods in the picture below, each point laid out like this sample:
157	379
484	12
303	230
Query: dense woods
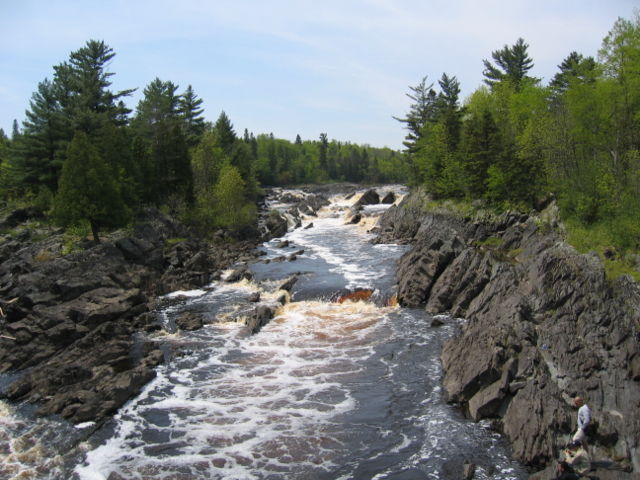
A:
516	142
85	157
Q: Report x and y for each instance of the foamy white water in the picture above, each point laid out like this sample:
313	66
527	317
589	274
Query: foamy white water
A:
324	391
248	407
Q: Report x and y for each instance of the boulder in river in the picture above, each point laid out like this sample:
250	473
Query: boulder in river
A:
370	197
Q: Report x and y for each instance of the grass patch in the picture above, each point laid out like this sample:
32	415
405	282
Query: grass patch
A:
491	243
600	239
73	236
169	242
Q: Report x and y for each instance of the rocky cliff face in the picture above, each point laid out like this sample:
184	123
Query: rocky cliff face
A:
543	324
68	325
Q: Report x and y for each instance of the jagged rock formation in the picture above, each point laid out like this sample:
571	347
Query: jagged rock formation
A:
70	332
544	324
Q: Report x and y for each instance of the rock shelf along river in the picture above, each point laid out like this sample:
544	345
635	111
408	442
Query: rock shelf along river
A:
325	390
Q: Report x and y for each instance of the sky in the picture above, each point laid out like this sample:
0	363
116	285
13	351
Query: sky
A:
341	67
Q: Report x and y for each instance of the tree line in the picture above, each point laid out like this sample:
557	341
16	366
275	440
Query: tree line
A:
516	142
85	156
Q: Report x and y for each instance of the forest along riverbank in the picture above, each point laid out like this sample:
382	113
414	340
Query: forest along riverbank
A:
544	324
322	390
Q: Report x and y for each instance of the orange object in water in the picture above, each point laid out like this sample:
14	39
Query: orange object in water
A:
356	296
393	301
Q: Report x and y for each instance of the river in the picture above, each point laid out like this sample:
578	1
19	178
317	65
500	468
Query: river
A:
326	390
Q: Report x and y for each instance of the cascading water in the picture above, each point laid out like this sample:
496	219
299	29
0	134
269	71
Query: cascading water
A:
326	390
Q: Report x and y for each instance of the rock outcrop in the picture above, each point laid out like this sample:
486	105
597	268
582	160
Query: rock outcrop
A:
543	324
69	322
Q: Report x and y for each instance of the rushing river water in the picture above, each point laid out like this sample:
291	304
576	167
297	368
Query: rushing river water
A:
326	390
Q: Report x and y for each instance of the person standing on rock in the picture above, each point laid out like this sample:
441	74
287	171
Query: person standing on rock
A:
584	418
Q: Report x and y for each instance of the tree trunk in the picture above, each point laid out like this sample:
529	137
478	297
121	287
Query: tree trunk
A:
94	230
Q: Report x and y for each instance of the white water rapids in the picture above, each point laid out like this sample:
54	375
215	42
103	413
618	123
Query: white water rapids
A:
324	391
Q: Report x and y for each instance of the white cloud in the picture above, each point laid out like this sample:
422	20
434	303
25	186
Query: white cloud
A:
353	58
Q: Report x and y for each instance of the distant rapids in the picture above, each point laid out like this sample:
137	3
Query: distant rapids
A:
325	390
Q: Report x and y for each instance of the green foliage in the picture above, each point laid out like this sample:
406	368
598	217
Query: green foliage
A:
174	240
232	208
87	189
511	65
191	116
74	235
604	239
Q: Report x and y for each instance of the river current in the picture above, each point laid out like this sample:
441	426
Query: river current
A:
326	390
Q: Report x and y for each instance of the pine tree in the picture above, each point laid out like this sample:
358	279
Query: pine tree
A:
15	130
226	134
421	111
511	64
159	104
481	148
449	111
323	146
191	116
574	68
77	98
40	150
87	189
89	102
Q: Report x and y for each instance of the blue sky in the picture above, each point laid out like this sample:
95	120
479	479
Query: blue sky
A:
294	67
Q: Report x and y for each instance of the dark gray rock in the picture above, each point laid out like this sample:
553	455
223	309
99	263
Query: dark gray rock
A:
468	471
370	197
260	316
389	198
189	321
543	325
240	273
72	326
288	285
254	297
355	219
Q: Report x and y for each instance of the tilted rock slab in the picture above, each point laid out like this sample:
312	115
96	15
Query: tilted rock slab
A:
543	324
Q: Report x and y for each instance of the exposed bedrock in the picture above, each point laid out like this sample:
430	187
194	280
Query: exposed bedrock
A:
69	324
543	324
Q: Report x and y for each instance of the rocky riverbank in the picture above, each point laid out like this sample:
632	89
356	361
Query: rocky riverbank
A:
543	324
71	324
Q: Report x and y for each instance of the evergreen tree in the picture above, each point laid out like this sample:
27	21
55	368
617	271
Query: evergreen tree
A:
191	116
4	147
420	112
172	164
159	105
88	101
449	111
15	130
323	147
481	148
114	144
87	189
225	133
511	64
159	138
39	152
574	68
